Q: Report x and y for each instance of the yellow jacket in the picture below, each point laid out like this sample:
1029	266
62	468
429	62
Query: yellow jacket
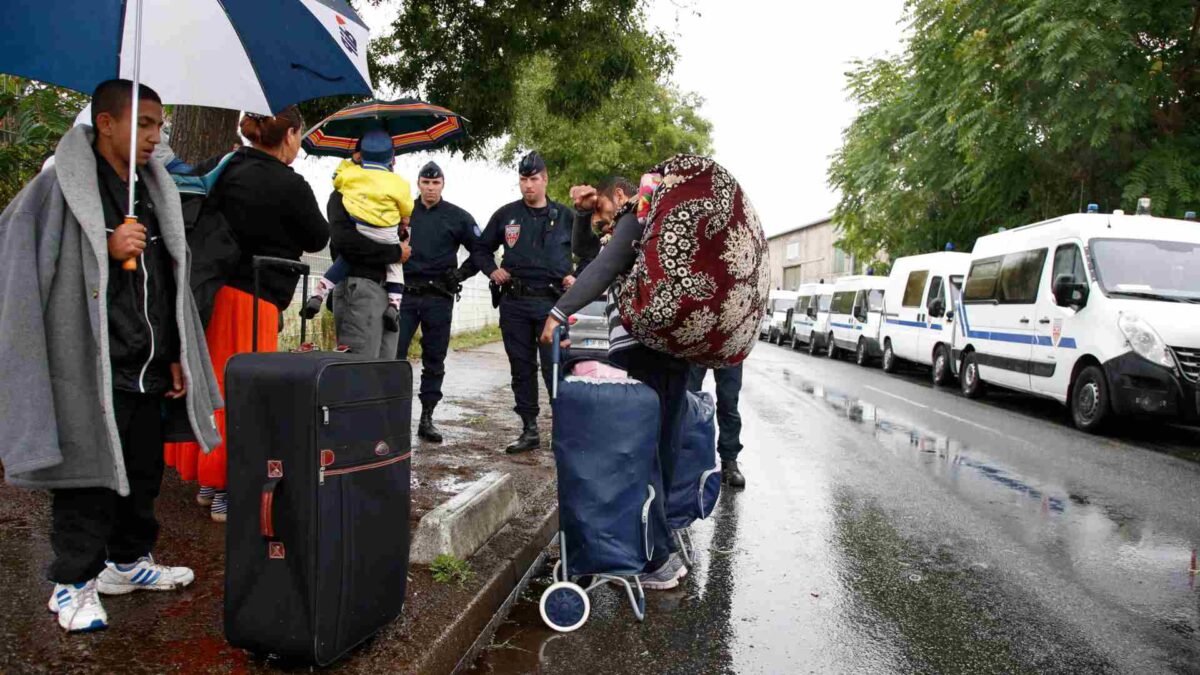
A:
373	195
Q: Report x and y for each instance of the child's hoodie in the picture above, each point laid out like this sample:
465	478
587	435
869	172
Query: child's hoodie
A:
372	194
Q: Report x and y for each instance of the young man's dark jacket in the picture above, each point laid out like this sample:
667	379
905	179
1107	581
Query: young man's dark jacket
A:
368	259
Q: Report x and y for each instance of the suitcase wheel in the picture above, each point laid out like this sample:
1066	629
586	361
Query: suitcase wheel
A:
565	606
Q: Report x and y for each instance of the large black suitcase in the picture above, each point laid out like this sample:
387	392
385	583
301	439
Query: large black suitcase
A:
317	538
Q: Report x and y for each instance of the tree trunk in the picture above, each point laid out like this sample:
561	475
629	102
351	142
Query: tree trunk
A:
199	133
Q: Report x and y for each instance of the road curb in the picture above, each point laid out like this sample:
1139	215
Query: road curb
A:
458	645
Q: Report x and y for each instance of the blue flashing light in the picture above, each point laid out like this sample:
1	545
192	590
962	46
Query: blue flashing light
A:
870	271
1093	208
949	246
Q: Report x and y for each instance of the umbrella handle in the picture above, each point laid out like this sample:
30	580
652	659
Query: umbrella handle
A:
130	265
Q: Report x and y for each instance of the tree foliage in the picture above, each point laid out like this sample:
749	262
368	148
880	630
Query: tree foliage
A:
999	114
645	120
470	56
33	117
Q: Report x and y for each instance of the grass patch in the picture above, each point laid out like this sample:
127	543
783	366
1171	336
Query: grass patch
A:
447	569
468	340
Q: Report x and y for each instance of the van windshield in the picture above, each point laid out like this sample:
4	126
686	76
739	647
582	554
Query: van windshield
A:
1154	270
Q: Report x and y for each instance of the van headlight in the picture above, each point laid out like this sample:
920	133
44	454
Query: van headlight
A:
1145	341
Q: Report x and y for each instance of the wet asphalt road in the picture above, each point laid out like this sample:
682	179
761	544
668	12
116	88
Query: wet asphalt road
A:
891	527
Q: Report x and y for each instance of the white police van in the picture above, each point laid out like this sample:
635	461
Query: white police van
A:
780	305
804	316
918	323
1099	312
855	315
818	311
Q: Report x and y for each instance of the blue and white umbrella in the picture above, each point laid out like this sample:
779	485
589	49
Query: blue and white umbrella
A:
254	55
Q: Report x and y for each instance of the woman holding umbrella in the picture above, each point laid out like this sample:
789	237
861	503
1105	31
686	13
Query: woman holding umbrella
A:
273	212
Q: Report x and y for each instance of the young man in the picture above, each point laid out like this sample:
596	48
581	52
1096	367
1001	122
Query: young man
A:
595	210
99	359
432	279
536	269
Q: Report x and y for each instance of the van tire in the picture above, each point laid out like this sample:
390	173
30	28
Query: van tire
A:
889	358
860	353
795	340
831	348
941	366
1090	404
972	384
812	344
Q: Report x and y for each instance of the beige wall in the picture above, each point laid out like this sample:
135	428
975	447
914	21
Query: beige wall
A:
813	259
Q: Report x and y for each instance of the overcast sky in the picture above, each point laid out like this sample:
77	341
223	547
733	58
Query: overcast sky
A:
773	78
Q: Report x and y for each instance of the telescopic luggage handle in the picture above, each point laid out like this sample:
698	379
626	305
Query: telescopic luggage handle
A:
258	262
555	359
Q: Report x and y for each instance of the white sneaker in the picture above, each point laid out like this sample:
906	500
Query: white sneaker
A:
78	607
144	575
664	578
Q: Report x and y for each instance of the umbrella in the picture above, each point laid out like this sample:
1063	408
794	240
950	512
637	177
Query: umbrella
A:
254	55
414	125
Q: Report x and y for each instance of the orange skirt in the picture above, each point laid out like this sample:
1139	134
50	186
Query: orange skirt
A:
230	331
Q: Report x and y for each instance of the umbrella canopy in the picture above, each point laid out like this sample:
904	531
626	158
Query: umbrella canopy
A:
255	55
414	125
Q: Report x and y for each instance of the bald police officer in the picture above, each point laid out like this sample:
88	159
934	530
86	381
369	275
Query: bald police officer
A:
536	235
432	279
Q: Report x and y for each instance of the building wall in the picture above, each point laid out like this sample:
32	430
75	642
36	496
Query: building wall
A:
807	255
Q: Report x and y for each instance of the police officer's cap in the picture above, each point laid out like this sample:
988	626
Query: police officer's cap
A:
431	170
531	164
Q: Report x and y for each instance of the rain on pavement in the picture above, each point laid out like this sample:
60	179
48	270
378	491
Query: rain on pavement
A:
890	527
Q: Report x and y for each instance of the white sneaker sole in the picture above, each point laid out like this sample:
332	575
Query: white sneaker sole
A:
107	588
95	625
660	585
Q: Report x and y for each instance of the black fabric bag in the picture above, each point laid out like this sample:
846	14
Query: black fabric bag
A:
317	540
212	244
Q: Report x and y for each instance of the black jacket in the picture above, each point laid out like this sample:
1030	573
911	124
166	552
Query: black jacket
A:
437	233
143	336
540	251
367	258
585	243
273	212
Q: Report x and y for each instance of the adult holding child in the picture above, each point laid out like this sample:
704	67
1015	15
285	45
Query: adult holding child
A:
272	212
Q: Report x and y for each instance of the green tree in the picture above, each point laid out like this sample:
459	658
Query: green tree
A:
999	114
469	56
643	122
33	117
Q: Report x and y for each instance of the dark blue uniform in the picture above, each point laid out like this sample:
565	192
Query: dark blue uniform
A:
537	253
430	275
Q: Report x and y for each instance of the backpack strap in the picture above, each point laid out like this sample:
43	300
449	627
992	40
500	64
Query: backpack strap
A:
210	179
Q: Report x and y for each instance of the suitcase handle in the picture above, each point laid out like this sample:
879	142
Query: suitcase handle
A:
555	358
258	262
266	509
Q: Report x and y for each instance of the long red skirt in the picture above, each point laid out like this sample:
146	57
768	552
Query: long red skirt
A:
230	331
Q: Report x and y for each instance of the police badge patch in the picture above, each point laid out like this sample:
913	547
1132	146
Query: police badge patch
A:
512	232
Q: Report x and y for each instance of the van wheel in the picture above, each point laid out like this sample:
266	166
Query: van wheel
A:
831	348
812	344
889	357
972	385
941	366
795	341
1090	405
860	353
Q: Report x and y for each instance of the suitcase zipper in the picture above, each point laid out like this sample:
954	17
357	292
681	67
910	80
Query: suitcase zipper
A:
326	409
322	472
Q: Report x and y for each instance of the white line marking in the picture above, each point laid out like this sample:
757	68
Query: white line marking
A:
966	421
898	398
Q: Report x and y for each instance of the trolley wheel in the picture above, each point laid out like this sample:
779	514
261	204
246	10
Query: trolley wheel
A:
565	606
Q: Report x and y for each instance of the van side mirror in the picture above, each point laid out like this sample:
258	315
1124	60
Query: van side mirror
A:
1070	293
937	308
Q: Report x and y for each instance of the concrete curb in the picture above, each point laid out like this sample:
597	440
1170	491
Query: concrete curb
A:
466	522
461	641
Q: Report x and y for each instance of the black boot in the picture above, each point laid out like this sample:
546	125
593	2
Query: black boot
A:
425	429
731	474
529	439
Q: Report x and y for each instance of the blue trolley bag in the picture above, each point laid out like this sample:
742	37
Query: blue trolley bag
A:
605	445
697	484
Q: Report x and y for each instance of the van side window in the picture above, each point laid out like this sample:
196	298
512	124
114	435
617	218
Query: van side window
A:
914	288
875	301
1020	276
981	280
802	303
1068	260
843	303
936	290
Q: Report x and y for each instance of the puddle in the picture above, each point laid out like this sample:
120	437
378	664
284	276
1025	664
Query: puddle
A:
1114	553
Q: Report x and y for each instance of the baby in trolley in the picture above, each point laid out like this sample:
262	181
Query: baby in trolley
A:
605	440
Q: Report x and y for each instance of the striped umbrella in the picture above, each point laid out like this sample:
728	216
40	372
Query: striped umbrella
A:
414	125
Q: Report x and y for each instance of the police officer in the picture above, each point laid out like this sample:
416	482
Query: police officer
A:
432	279
536	269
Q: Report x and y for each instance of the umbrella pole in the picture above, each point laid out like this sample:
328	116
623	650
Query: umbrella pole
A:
131	215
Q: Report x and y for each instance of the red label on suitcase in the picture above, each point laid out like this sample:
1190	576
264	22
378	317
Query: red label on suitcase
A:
327	457
274	468
275	550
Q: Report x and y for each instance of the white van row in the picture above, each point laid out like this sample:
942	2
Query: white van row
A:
1099	312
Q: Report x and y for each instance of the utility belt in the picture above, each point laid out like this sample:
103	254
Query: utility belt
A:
442	287
517	289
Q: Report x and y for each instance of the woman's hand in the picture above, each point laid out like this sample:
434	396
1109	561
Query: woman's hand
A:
548	332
